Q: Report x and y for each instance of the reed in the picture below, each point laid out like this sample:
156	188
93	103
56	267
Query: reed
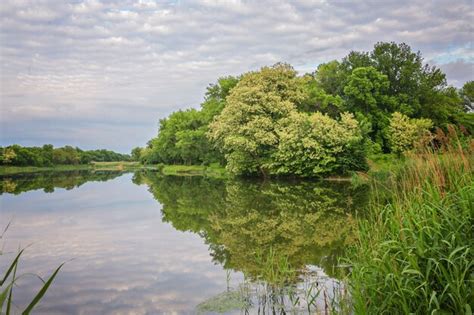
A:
414	252
9	279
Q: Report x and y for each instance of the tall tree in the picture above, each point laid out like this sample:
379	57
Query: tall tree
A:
245	130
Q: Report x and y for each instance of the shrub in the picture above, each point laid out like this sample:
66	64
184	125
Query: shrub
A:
404	132
315	145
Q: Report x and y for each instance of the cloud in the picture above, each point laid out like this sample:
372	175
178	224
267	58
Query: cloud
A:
125	259
133	62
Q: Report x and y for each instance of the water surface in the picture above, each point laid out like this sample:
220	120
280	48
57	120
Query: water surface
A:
142	243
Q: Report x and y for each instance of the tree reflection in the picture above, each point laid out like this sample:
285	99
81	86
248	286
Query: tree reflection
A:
48	181
259	227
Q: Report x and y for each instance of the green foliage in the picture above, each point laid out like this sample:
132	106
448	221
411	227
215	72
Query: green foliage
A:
181	139
445	107
315	145
366	89
136	154
317	99
415	248
49	181
241	119
9	279
467	94
46	156
262	132
330	77
403	133
366	95
246	129
182	135
248	222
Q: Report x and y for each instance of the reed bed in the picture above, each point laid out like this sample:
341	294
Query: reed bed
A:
415	247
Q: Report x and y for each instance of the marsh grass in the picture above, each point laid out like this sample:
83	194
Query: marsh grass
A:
213	170
415	248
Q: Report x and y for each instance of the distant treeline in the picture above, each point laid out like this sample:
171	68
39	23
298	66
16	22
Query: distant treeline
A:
47	155
276	122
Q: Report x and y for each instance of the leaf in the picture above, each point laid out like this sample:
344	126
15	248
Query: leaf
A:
42	292
3	296
11	267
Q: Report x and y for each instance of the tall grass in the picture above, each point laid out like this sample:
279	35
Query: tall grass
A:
415	250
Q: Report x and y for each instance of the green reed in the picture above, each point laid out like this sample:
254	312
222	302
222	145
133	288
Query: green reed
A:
9	278
415	250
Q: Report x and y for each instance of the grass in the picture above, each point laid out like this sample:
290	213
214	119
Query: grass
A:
415	249
213	170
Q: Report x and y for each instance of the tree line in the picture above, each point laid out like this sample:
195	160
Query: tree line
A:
47	155
276	122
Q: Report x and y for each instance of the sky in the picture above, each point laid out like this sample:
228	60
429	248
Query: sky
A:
100	74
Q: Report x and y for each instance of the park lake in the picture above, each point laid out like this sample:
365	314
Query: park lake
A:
146	243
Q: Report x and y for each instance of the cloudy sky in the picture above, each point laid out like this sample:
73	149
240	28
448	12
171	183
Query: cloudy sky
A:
99	74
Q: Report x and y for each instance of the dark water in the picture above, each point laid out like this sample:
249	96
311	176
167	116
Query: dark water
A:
141	243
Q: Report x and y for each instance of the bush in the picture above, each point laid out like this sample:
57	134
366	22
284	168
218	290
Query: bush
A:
404	132
315	144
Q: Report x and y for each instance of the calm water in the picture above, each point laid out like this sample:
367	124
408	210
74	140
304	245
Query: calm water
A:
147	244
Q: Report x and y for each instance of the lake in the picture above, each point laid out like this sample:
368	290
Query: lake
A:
143	243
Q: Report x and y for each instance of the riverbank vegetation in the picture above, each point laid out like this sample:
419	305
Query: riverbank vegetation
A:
414	252
93	166
274	122
49	156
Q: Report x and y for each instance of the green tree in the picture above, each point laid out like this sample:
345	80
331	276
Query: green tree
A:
317	99
410	80
136	154
245	129
354	60
366	96
8	155
403	132
216	94
313	145
467	95
330	77
444	107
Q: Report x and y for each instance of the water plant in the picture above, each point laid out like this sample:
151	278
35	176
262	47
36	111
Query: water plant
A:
415	249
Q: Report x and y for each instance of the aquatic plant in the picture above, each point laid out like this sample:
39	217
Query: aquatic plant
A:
414	252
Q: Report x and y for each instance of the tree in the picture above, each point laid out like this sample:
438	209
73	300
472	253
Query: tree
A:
245	129
444	107
330	77
467	95
366	90
354	60
317	99
366	96
403	132
8	155
216	95
409	79
312	145
136	153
